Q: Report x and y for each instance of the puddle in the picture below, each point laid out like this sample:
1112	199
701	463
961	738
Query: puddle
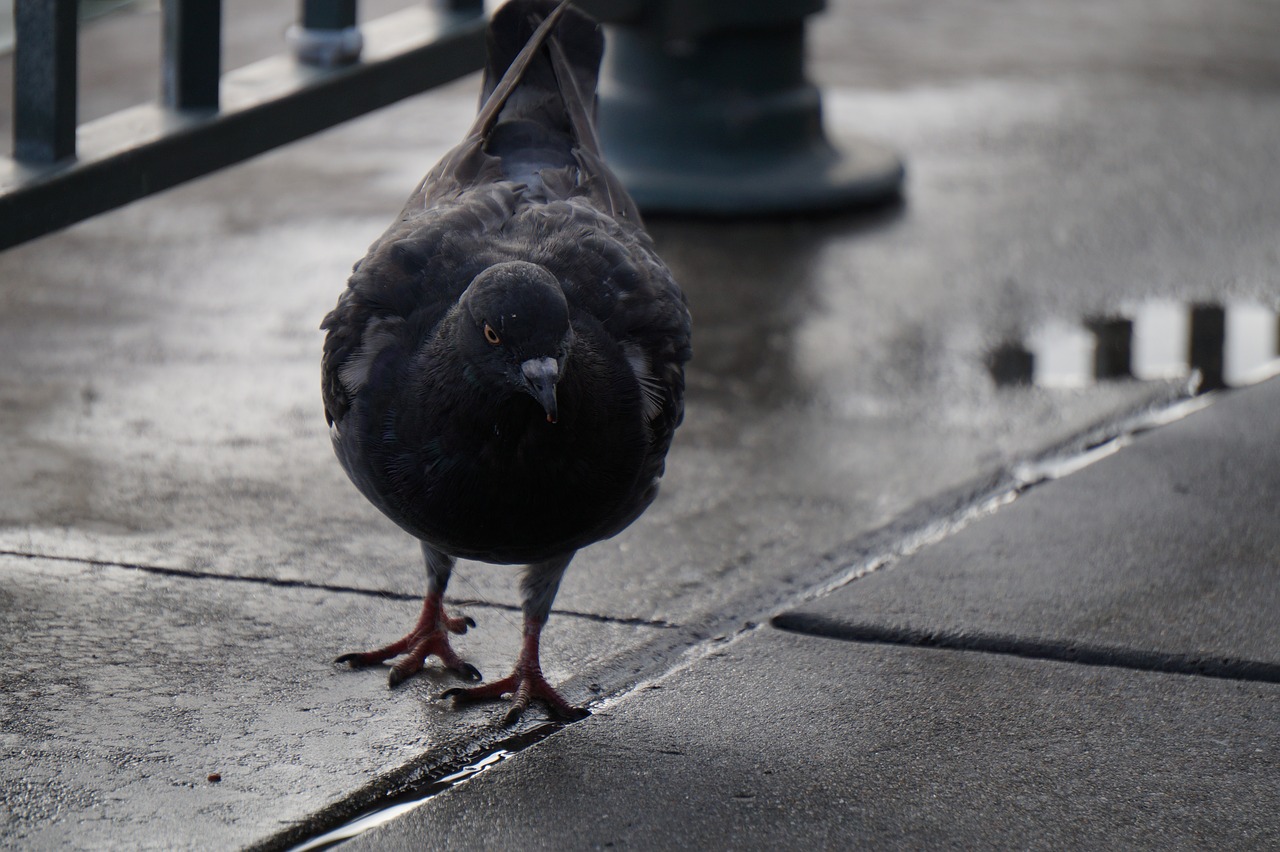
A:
421	793
1216	346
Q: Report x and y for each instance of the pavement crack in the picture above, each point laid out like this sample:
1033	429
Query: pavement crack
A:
286	583
1200	665
624	620
397	793
194	574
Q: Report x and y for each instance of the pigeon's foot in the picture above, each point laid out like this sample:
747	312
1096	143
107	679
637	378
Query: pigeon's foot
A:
525	684
429	636
523	687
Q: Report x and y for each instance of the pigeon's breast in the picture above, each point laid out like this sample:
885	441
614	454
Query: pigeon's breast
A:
508	486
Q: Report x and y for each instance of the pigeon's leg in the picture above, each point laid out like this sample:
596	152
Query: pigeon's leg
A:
526	683
429	636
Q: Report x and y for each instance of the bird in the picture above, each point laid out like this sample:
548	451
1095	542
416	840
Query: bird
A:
504	372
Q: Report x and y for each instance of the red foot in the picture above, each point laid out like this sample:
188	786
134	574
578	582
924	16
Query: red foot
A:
524	684
523	688
429	636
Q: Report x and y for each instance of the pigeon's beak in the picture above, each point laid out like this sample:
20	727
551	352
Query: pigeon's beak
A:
541	375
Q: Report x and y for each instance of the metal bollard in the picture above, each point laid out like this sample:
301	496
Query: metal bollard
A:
705	109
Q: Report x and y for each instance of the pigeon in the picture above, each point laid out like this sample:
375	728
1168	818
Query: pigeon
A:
504	373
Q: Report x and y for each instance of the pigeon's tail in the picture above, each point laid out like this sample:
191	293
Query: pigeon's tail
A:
513	26
538	100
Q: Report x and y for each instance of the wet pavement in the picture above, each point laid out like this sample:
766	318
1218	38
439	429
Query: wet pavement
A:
786	741
182	557
1094	665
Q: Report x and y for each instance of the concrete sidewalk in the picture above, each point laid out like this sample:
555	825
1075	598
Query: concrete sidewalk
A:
1096	665
181	556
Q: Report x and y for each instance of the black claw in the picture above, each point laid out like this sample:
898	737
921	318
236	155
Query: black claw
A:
574	714
452	692
469	621
566	714
470	672
397	677
512	716
352	660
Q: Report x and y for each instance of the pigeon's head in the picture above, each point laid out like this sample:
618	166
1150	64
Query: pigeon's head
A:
518	329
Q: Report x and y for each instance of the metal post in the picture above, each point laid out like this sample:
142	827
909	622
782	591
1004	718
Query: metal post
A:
1113	353
328	35
705	108
192	53
328	14
146	148
1011	364
44	80
1208	340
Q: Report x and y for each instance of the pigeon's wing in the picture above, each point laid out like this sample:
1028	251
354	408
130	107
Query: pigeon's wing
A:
650	320
594	178
645	312
609	269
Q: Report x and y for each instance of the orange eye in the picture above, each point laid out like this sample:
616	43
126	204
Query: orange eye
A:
491	335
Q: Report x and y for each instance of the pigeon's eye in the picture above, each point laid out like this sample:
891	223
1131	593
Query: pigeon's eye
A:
491	335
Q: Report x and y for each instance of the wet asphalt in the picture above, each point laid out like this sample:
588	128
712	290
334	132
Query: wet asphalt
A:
916	578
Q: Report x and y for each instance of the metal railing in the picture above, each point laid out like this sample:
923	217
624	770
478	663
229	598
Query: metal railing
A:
61	173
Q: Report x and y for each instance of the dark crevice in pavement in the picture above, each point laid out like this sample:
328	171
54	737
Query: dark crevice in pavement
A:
928	525
393	794
449	763
1040	649
277	582
438	771
626	620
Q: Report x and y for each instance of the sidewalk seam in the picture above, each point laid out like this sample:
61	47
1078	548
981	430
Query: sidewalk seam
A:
1199	665
278	582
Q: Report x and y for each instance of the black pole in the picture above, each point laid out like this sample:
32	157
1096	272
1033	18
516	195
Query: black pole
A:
44	80
192	53
328	14
1113	353
1208	340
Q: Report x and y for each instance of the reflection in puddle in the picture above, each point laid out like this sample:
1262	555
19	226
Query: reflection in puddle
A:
389	812
1224	345
1253	341
1161	336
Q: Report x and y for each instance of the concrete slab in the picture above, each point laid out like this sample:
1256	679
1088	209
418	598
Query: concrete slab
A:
899	44
784	741
162	404
1168	549
159	402
159	409
124	691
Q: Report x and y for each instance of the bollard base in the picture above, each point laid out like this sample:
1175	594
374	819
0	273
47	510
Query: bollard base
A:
325	48
728	125
825	178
